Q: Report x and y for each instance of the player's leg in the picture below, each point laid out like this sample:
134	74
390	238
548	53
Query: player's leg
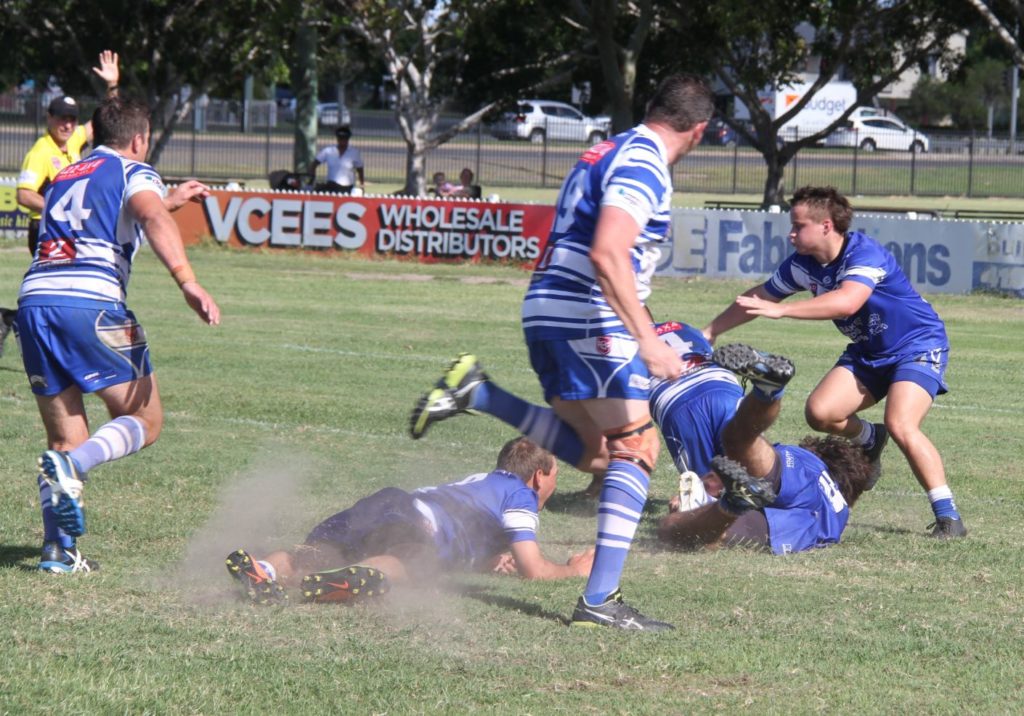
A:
64	419
465	388
633	446
833	405
693	529
906	407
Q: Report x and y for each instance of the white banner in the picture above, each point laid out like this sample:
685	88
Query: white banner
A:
938	256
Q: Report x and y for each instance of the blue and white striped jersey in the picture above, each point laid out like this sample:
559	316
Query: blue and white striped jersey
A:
478	517
87	239
895	320
693	409
629	171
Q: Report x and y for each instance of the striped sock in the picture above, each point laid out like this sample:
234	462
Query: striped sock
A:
623	496
539	424
118	438
942	502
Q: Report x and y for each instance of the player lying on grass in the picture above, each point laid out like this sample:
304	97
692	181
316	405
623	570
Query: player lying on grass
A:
801	496
394	536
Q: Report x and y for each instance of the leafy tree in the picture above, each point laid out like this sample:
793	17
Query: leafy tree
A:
874	42
164	46
423	44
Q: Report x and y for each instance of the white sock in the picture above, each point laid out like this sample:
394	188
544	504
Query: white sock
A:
867	434
268	568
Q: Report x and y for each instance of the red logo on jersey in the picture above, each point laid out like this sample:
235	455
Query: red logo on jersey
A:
594	154
57	250
603	345
79	169
669	327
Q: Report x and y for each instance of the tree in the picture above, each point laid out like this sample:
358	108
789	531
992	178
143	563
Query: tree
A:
748	52
1005	19
422	43
164	47
619	59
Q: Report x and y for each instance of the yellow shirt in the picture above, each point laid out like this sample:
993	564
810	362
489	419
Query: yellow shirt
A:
45	159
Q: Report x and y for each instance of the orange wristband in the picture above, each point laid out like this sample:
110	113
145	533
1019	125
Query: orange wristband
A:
183	274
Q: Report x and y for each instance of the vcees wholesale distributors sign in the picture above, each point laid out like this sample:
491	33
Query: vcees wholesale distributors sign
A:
430	230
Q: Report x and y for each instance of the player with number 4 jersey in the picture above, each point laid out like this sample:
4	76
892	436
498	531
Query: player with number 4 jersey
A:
77	335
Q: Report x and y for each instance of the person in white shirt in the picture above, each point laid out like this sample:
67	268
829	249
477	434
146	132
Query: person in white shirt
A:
344	164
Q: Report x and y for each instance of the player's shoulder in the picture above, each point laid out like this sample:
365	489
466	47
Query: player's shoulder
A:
862	248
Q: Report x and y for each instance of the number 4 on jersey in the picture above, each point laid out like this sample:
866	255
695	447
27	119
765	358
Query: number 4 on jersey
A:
70	208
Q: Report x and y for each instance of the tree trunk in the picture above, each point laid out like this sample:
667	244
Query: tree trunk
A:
774	183
306	83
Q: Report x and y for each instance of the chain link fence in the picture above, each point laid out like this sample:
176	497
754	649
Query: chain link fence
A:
225	141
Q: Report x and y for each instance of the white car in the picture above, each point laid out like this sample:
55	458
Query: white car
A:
871	133
539	119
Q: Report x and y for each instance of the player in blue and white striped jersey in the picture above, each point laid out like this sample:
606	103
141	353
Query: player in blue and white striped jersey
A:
76	333
590	337
898	348
395	535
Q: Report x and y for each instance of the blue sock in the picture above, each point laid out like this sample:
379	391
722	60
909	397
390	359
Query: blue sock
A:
539	424
51	532
116	439
623	496
942	502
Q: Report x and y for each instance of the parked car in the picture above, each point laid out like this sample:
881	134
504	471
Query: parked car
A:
329	114
719	133
871	133
540	119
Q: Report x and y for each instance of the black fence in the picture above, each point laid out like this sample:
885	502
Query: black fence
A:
229	141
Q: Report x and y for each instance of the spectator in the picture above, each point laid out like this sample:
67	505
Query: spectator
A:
344	165
442	187
465	187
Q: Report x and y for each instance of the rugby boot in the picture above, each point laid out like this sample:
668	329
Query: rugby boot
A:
452	394
56	559
615	613
742	491
351	584
257	586
947	528
768	373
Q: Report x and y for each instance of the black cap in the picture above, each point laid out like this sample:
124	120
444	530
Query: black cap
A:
343	132
63	107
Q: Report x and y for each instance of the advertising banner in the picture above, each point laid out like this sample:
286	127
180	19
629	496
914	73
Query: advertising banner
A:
422	229
13	221
937	256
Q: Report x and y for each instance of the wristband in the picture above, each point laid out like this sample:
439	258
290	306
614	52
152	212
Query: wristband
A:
183	274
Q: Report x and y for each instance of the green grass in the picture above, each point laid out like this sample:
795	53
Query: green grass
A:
297	405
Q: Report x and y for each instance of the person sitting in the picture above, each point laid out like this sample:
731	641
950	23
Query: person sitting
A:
442	187
396	536
465	188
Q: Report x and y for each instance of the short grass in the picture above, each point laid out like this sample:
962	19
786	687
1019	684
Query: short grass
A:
297	405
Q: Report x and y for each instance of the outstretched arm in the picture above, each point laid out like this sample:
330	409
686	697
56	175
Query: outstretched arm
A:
841	303
149	210
531	564
736	314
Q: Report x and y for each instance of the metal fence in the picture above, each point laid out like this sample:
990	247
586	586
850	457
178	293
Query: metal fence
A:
242	145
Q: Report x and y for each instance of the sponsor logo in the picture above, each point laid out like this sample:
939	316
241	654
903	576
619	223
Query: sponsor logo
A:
603	345
669	327
79	169
91	376
594	154
57	163
37	381
639	381
57	250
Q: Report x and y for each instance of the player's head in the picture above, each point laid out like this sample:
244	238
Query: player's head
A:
121	123
343	134
535	465
846	463
825	202
681	102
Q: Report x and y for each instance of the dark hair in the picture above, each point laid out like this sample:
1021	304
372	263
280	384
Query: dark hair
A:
524	457
846	463
826	200
118	119
681	102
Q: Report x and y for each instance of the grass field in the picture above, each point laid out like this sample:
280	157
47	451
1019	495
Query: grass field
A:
297	405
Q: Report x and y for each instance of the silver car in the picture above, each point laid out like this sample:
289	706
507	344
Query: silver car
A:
539	120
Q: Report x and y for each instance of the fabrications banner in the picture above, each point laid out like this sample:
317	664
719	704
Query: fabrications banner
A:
422	229
938	256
